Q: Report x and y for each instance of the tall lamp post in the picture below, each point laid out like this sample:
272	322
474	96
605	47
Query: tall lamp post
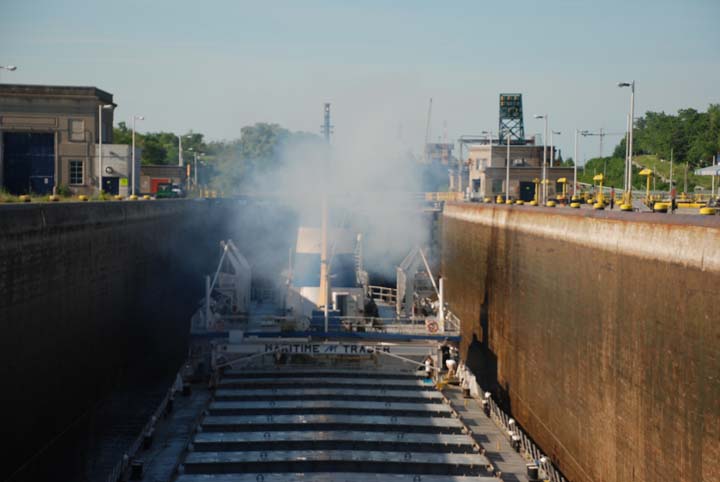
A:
544	165
507	170
135	118
195	160
180	156
101	107
627	201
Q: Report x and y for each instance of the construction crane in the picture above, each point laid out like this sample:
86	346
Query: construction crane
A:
601	133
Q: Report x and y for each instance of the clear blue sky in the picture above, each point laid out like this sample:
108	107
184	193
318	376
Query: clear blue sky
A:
216	66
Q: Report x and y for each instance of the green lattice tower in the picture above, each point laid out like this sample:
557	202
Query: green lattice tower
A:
511	119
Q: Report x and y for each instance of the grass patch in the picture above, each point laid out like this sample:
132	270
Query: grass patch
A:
662	168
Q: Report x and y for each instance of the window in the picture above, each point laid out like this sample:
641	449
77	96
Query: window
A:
76	172
497	186
77	130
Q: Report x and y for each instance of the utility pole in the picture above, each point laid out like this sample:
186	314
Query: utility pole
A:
575	163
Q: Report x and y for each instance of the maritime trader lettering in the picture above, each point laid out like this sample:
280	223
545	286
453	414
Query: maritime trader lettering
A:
322	348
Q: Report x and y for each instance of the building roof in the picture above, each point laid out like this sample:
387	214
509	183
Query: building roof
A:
708	171
55	91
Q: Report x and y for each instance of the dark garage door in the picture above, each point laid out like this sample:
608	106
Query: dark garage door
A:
527	191
28	162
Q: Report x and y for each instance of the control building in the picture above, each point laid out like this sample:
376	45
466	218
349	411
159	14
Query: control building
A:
487	171
49	139
487	159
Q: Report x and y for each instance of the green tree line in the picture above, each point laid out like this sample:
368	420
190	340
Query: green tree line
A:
691	136
228	166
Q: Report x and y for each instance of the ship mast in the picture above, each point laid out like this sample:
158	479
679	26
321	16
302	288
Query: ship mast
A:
324	295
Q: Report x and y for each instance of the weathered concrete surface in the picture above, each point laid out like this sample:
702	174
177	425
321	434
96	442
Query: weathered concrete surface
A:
91	293
599	331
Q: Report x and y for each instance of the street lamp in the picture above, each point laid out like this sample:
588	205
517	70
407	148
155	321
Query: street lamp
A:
627	202
195	155
101	107
9	68
552	146
544	167
180	157
507	170
135	117
489	134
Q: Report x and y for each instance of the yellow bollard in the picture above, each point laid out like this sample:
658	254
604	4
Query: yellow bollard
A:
600	197
706	211
82	198
563	196
24	198
660	207
575	205
53	198
647	173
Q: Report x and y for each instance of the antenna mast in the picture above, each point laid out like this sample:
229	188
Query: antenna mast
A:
326	128
427	130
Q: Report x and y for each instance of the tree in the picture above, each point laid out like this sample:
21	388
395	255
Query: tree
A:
690	135
121	134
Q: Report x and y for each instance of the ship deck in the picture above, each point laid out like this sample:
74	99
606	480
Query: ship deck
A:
349	420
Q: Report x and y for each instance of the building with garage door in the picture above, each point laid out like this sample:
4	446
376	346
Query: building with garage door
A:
49	139
487	168
153	176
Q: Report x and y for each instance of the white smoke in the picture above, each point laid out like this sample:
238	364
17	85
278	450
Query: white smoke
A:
373	187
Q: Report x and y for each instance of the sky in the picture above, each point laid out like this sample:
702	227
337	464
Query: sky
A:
216	66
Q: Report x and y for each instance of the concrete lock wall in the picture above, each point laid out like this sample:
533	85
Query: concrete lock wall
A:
90	292
600	332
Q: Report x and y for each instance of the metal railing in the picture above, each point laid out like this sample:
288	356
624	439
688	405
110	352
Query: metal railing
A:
384	294
452	322
503	420
401	325
131	453
444	196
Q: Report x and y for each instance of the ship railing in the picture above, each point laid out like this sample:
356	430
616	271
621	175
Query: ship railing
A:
400	325
452	322
512	431
384	294
131	453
